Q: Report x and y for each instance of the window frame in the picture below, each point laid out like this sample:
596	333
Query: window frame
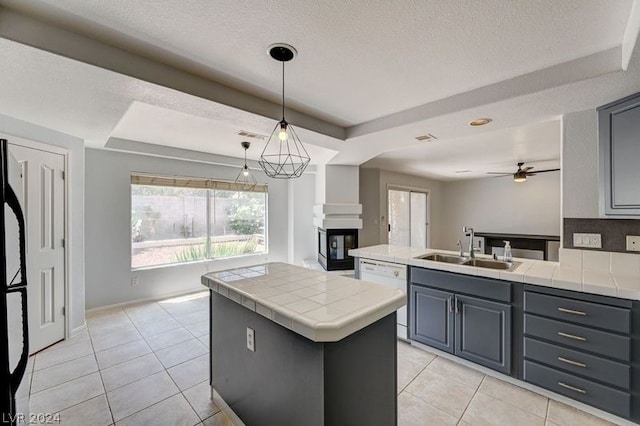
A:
211	186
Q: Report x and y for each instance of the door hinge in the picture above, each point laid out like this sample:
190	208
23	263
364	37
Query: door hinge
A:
63	175
62	242
64	310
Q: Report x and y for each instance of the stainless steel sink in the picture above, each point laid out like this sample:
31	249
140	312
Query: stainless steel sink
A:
445	258
492	264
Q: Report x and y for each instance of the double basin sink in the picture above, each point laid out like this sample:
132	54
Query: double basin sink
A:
479	263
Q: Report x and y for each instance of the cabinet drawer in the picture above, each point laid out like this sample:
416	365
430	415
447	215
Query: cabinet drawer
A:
581	338
604	370
584	313
486	288
597	395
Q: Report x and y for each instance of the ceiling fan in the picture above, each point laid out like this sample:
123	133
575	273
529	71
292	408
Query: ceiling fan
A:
521	174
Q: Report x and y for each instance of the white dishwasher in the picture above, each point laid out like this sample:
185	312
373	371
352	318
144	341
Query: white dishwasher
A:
392	275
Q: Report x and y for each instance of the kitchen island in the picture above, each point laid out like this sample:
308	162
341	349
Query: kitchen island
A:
293	346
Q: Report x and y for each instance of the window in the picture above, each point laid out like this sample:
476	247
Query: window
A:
178	220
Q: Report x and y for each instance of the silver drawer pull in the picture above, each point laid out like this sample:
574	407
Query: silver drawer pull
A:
571	336
572	311
573	388
570	362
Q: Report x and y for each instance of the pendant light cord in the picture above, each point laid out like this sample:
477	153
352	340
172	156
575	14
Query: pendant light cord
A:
283	90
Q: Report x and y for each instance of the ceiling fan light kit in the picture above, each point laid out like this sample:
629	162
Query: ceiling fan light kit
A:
284	156
522	173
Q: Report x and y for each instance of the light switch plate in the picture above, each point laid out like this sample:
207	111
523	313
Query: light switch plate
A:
251	342
633	243
587	240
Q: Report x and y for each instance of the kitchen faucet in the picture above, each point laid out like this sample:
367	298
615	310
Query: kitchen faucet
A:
469	232
459	245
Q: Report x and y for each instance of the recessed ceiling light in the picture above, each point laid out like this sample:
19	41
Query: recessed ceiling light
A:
480	122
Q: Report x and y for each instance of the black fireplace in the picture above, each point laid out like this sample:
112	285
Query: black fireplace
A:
333	248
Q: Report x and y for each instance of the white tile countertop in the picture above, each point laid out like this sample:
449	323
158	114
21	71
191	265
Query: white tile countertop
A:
320	306
597	272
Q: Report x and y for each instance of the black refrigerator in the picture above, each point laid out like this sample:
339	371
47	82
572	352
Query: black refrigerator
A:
14	338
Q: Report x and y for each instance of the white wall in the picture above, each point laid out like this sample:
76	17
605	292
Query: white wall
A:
304	232
501	205
75	175
341	185
108	209
580	185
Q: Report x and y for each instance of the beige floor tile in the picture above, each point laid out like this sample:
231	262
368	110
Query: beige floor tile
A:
199	397
57	398
199	329
82	336
55	356
407	371
61	373
218	420
485	410
104	329
414	411
94	412
181	352
204	340
130	371
174	411
454	371
445	394
413	354
115	338
139	395
169	338
159	327
193	317
190	373
515	395
564	415
549	423
120	354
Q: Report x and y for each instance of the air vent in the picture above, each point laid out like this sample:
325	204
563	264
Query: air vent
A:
246	134
427	137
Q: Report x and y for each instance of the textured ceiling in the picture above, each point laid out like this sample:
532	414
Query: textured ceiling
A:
356	63
360	60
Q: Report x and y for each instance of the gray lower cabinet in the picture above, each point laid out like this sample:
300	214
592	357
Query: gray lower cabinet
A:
483	332
453	319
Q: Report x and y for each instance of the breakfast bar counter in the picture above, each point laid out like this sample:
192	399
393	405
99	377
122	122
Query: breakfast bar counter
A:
290	345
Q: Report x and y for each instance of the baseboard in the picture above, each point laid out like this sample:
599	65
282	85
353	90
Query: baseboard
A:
145	299
77	330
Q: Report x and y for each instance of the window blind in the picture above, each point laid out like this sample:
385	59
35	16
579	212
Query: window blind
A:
193	182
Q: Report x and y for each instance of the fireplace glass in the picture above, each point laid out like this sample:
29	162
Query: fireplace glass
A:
334	246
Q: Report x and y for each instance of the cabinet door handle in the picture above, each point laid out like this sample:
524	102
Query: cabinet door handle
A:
456	305
572	311
573	388
450	303
570	362
572	336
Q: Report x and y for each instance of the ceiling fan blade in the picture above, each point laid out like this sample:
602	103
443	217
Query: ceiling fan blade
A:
499	173
526	169
542	171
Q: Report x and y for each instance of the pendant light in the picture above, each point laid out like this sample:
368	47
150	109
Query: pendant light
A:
245	179
284	156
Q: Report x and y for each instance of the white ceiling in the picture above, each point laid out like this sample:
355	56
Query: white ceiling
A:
426	67
537	145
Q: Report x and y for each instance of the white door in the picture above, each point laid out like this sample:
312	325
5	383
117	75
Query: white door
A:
408	224
44	200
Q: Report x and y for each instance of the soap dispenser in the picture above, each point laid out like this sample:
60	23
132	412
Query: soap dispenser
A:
507	252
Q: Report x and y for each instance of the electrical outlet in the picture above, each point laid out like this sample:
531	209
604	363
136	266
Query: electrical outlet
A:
587	240
633	243
134	281
251	342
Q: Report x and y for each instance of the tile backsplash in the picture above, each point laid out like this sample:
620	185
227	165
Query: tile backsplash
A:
619	264
613	232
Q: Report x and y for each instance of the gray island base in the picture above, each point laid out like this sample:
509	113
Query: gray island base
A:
339	370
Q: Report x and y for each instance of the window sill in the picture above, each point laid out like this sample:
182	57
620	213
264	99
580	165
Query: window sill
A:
197	262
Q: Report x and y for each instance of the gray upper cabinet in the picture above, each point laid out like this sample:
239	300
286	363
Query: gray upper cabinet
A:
619	134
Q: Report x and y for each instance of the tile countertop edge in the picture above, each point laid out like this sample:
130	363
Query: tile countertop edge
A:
529	272
318	331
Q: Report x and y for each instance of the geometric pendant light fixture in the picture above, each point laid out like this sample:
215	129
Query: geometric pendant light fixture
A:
245	179
284	156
